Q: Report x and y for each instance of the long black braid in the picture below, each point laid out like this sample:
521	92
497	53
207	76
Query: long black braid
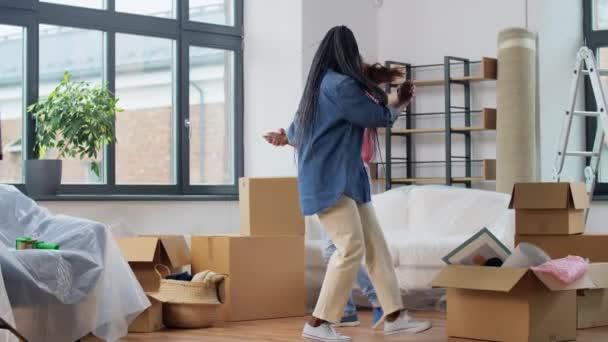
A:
338	51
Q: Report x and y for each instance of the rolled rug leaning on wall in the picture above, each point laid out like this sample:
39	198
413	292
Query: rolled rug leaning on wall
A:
516	153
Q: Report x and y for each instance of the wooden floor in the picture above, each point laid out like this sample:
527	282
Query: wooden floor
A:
290	329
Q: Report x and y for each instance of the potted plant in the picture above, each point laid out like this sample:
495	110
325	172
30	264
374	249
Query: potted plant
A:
75	120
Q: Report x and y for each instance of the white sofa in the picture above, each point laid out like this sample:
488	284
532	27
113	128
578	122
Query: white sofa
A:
422	224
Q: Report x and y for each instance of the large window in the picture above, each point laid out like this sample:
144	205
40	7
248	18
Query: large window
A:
11	103
600	15
211	116
145	149
157	8
596	35
220	12
80	3
174	65
61	49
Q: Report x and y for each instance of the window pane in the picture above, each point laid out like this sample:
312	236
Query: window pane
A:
211	116
81	3
11	103
80	52
145	151
600	15
156	8
219	12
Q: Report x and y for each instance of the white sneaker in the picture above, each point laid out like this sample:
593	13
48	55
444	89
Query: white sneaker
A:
404	324
324	333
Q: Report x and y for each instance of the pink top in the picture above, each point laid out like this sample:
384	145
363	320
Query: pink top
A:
567	270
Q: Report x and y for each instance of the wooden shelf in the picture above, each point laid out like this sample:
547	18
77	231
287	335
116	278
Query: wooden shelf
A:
428	83
488	124
414	180
399	131
487	73
488	174
468	179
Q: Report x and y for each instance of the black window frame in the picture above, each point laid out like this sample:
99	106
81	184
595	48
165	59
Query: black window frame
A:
32	13
594	39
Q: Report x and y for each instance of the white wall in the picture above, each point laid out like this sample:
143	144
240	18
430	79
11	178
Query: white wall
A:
361	16
558	42
423	32
190	218
273	81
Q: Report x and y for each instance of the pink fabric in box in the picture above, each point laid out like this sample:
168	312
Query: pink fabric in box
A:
567	270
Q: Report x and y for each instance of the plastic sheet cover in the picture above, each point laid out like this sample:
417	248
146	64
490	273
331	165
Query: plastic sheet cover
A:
63	295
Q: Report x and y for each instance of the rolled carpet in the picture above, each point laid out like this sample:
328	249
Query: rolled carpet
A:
516	159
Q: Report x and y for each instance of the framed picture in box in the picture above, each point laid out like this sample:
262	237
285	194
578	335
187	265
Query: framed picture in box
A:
478	250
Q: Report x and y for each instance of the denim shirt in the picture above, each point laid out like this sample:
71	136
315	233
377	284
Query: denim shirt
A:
329	158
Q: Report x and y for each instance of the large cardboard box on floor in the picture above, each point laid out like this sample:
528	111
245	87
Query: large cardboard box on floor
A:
144	252
508	304
150	320
592	304
265	274
591	246
270	206
549	208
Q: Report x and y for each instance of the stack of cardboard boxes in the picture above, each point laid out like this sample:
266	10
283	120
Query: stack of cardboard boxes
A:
552	217
265	263
516	304
143	253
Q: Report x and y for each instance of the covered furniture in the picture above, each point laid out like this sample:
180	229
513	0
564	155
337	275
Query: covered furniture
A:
63	295
422	224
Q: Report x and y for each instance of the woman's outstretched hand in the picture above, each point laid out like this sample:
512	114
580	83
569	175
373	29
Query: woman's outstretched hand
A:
403	96
278	138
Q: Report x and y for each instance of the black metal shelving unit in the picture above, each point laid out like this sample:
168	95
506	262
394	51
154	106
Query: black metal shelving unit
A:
448	82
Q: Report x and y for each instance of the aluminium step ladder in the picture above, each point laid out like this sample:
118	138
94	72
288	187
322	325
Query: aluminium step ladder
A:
585	66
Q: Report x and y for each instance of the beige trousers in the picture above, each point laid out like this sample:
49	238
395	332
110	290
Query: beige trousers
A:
355	231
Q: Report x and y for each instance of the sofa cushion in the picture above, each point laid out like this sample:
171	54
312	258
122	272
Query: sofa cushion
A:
392	208
314	254
425	250
443	210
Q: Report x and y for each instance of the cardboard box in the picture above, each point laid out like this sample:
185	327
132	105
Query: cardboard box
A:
591	246
270	206
145	252
265	274
150	320
549	208
508	304
592	304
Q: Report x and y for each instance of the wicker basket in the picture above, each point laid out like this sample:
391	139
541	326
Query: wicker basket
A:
189	316
186	304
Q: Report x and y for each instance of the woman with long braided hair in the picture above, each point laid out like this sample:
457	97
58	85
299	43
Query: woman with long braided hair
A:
338	104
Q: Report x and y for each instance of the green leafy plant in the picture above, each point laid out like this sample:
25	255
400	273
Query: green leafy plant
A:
76	119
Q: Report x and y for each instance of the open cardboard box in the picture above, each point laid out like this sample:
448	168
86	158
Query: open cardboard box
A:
266	274
144	252
150	320
592	304
510	304
591	246
549	208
